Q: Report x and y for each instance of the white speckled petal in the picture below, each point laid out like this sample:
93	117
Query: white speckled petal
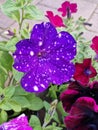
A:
25	56
65	47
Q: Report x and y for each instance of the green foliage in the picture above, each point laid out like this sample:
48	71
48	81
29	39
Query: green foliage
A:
13	10
35	102
17	75
3	116
35	123
6	60
33	13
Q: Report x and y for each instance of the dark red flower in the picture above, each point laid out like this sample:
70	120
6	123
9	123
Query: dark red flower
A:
68	6
94	44
84	71
83	115
56	20
75	91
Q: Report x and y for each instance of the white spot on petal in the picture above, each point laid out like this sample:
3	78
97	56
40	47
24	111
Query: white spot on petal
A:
40	43
14	56
31	53
74	45
29	77
16	67
60	35
50	70
57	58
26	85
35	88
36	26
20	52
27	65
42	85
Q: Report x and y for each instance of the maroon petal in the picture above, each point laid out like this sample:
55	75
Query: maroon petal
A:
68	97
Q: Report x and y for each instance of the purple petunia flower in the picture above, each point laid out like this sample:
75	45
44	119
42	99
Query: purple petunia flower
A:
45	58
19	123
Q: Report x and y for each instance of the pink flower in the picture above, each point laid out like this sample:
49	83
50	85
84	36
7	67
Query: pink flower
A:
56	20
94	44
72	7
19	123
83	115
84	71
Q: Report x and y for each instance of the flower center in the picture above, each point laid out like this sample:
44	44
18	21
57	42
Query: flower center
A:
87	71
42	53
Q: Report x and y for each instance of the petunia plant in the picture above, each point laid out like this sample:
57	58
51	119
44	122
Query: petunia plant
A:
48	72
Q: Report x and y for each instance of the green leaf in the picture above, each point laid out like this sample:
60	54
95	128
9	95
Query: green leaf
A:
19	91
6	60
22	101
14	105
17	75
35	122
10	46
60	109
9	92
9	6
31	12
16	15
24	33
4	105
3	116
2	46
36	102
3	76
46	105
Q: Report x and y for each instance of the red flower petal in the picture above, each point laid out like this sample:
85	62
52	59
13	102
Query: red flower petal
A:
94	44
84	71
68	98
94	73
87	62
73	8
78	113
84	102
56	20
65	6
82	79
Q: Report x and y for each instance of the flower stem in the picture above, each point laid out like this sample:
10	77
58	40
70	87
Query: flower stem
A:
21	21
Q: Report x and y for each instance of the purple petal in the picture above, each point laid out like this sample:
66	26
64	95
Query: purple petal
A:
45	74
19	123
62	71
32	83
43	35
64	47
25	56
